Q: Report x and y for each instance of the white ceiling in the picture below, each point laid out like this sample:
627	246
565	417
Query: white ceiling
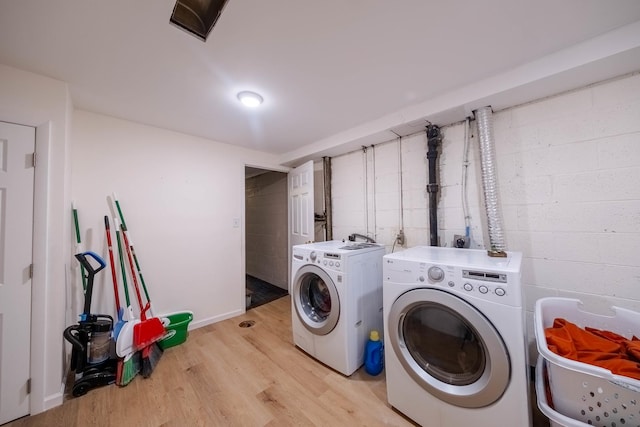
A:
332	73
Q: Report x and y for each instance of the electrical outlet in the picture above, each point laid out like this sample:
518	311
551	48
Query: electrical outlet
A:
460	241
400	238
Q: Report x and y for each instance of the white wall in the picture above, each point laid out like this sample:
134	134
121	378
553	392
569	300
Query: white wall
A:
180	196
568	170
266	222
44	103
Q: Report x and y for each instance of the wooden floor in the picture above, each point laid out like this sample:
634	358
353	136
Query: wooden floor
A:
227	375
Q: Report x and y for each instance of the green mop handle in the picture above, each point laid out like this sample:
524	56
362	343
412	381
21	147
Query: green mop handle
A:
124	270
117	203
78	242
133	252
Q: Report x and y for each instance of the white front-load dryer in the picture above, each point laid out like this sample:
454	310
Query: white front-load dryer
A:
455	350
336	300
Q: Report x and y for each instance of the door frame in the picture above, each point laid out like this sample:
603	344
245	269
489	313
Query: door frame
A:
243	236
38	399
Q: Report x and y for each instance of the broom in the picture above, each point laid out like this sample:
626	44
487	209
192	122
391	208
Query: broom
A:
166	320
130	364
150	329
118	325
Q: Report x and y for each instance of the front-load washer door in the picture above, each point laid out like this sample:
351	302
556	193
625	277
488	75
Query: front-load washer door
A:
448	347
316	300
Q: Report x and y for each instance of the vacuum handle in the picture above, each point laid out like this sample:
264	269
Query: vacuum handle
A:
69	336
82	257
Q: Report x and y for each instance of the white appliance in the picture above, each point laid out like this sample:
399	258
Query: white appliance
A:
336	298
454	337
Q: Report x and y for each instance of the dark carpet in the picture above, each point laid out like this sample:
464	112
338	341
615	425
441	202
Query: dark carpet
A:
262	292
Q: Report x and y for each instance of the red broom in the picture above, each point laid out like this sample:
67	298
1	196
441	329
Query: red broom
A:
150	330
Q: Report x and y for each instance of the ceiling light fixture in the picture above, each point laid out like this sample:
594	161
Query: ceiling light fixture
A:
250	99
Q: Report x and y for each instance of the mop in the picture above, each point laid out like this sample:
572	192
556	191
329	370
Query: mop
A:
118	325
79	244
129	363
150	329
166	318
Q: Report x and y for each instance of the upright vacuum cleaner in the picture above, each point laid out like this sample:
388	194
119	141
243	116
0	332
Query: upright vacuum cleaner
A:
92	356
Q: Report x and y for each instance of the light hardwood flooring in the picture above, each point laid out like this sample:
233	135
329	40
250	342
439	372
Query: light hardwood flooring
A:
227	375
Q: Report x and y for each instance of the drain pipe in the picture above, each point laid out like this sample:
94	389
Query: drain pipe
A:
328	208
490	182
434	137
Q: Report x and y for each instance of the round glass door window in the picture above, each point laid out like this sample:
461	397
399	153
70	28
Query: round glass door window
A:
448	347
458	358
316	300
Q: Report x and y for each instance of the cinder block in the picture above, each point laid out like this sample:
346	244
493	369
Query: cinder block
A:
619	151
618	248
617	91
551	108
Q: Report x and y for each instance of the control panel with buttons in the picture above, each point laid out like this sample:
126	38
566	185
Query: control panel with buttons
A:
479	283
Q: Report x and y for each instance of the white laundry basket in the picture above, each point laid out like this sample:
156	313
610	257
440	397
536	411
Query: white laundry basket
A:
581	391
556	419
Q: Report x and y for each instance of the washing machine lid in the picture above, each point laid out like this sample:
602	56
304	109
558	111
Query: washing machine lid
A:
449	347
316	299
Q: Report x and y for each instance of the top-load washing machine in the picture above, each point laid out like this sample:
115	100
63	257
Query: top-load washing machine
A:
455	350
336	298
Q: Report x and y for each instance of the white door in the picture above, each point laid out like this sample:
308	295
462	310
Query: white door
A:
301	204
301	226
17	145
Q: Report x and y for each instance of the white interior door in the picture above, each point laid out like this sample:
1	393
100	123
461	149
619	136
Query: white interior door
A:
17	145
301	228
301	204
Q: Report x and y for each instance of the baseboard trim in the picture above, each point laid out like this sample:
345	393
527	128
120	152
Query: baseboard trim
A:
214	319
54	400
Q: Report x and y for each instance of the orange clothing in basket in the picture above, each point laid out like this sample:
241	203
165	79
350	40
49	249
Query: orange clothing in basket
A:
596	347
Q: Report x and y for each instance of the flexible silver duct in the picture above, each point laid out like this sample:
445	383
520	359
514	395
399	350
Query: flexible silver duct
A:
484	120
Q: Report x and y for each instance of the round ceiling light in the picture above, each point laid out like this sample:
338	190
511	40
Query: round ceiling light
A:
250	99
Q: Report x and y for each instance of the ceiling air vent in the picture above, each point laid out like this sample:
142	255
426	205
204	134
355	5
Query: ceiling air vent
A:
197	16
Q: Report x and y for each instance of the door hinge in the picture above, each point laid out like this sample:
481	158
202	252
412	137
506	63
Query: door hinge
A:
33	159
29	386
31	271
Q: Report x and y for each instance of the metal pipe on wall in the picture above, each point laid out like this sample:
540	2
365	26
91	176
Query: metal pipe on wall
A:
326	174
434	137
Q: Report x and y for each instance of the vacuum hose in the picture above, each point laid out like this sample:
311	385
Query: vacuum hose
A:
434	137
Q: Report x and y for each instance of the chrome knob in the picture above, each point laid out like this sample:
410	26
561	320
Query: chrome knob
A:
312	256
436	274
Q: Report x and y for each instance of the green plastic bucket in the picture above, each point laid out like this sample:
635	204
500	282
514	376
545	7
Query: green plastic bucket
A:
177	325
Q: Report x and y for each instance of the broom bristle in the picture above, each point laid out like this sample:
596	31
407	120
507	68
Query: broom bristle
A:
131	365
150	357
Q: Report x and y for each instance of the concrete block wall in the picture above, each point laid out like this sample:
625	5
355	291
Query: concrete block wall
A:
266	228
569	183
